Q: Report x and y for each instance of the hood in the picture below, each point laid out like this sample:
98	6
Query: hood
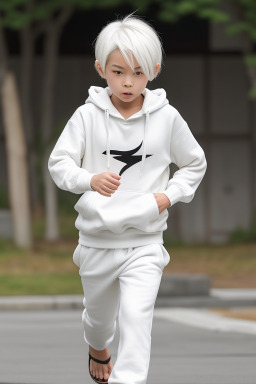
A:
153	100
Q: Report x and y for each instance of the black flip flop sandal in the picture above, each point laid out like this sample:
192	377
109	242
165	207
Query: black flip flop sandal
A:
101	362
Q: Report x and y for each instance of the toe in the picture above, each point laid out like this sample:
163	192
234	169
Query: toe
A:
92	370
106	372
100	375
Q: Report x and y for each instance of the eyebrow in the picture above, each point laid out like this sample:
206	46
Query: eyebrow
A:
119	66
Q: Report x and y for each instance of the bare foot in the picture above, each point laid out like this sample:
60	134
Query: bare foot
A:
100	371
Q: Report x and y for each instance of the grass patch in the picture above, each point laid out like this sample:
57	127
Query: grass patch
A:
40	284
48	268
229	266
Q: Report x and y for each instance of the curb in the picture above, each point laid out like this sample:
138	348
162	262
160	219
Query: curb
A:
184	285
69	302
41	302
205	302
188	291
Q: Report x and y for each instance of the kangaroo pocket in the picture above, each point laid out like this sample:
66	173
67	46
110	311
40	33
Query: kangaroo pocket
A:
123	210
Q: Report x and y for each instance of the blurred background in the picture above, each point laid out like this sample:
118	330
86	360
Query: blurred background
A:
209	74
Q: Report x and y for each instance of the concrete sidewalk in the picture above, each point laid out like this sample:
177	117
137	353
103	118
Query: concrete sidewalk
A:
217	298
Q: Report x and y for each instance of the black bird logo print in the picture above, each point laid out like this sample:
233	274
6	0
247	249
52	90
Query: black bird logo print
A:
126	157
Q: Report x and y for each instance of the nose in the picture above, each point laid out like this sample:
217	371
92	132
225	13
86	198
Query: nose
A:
128	82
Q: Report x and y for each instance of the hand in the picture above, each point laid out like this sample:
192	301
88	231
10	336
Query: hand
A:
162	201
105	183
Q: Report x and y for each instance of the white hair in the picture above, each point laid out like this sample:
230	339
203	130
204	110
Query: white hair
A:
132	36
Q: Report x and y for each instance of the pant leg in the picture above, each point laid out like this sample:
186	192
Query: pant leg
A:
100	283
139	285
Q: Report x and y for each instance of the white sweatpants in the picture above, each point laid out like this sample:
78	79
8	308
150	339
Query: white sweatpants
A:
121	283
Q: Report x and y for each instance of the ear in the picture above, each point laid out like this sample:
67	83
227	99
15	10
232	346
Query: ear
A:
157	69
99	69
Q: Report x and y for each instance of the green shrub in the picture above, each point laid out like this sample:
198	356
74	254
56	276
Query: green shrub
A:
240	235
4	202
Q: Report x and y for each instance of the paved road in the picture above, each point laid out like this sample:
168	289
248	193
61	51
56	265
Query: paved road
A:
47	347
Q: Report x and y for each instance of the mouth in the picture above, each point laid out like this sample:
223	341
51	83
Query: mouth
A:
127	93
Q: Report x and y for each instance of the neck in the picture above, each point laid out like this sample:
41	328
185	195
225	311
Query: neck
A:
132	106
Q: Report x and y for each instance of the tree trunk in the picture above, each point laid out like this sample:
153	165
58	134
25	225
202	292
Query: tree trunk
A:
53	28
17	162
27	42
51	215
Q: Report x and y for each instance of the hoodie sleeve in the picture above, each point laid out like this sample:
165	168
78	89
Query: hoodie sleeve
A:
187	154
65	160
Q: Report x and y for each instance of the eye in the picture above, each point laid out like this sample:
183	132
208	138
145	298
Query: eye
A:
117	72
138	73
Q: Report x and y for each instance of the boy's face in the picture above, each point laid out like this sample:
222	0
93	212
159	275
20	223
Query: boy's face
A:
126	85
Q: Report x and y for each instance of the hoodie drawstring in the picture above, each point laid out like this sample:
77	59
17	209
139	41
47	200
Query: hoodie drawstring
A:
108	138
144	142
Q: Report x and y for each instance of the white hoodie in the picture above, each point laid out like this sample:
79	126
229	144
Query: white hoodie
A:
97	139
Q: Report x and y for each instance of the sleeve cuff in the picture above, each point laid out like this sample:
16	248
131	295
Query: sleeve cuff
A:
84	181
173	193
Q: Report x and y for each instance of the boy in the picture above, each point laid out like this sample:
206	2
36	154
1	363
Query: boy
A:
116	150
